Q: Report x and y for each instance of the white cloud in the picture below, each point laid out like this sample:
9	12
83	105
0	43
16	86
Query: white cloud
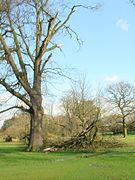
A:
111	78
122	24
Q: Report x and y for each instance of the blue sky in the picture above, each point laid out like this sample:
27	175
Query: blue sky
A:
108	51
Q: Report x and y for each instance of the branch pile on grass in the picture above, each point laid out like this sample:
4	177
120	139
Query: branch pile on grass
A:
81	140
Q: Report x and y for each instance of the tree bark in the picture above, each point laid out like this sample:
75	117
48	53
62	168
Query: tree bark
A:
36	113
124	128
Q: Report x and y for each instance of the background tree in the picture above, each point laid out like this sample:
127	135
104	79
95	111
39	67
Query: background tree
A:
28	31
122	98
16	127
83	112
111	124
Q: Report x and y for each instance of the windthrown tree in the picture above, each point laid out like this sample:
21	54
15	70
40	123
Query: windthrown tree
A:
122	98
28	33
82	114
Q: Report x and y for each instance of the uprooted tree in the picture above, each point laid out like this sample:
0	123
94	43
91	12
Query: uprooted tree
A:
83	115
28	33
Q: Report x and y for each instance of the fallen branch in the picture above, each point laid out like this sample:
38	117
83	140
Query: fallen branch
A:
81	138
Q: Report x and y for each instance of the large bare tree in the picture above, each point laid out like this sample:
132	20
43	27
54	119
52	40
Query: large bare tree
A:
28	33
122	98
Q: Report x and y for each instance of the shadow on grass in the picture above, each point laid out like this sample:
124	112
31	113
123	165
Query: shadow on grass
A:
109	153
11	148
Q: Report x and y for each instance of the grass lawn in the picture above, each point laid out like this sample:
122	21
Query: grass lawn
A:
104	164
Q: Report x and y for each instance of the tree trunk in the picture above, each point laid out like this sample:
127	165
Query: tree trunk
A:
124	129
36	138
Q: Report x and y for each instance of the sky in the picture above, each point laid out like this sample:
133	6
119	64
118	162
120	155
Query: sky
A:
108	51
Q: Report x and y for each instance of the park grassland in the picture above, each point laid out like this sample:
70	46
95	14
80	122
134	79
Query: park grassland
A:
104	164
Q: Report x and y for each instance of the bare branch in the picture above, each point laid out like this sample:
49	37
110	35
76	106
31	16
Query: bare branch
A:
18	74
72	11
13	92
44	64
14	107
46	40
26	45
18	49
52	48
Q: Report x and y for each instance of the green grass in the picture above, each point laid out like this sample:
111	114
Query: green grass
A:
103	164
